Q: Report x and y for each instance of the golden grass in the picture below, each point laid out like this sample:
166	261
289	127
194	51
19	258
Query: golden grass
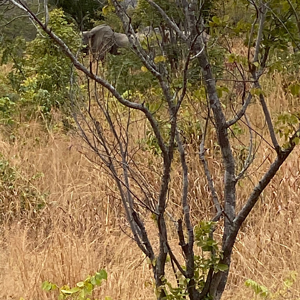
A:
81	228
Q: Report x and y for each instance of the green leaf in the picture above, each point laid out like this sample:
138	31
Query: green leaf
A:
88	288
67	292
74	290
82	294
70	291
257	288
80	284
47	286
102	274
154	262
226	18
231	58
296	140
159	59
295	89
216	20
256	91
221	267
144	69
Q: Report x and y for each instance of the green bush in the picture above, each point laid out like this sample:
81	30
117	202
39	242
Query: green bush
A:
48	70
283	292
81	291
18	195
41	73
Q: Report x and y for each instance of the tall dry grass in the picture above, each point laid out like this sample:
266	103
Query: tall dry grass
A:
82	227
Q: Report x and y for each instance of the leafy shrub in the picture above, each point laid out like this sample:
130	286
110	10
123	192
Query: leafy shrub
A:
7	108
209	259
40	72
261	291
18	195
81	291
48	70
121	66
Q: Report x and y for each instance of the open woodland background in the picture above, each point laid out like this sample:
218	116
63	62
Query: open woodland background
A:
61	218
80	229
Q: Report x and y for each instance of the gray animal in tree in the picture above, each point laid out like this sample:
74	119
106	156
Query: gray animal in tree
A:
102	39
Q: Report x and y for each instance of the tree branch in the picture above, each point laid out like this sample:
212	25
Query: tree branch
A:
268	118
262	16
259	188
206	169
241	112
167	19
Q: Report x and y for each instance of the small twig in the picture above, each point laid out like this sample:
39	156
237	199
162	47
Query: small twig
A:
241	112
262	16
199	53
144	236
217	217
184	198
251	34
46	12
250	156
185	80
167	19
207	284
227	217
206	169
182	242
268	119
173	258
235	80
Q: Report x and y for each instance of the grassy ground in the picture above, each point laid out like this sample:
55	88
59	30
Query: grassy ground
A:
81	229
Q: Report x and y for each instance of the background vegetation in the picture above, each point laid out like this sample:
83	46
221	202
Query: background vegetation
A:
61	218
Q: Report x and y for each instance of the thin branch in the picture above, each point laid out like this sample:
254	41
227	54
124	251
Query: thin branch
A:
113	172
252	33
124	164
250	156
176	262
19	4
46	12
185	80
262	16
268	119
258	189
206	288
256	75
144	236
296	16
169	21
149	64
206	170
13	19
184	200
182	243
223	140
241	112
199	53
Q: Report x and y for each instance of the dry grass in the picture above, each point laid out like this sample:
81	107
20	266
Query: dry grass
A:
80	232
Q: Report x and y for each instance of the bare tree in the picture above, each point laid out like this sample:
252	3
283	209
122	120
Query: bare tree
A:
109	136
